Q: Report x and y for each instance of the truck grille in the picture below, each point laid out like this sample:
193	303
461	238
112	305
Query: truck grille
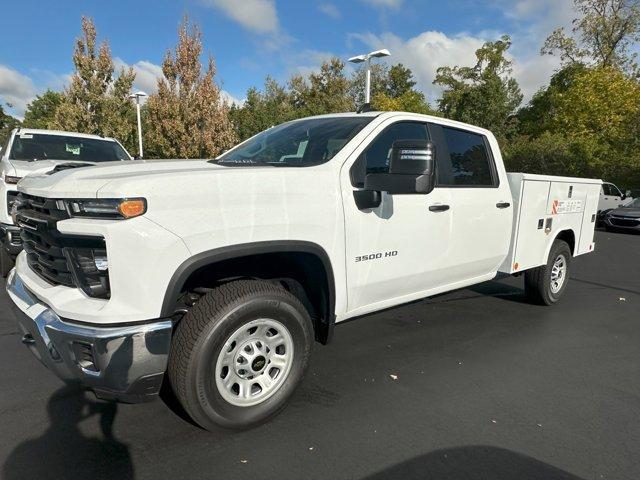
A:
60	259
624	221
37	218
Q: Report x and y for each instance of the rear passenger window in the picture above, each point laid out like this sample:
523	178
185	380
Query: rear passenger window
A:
463	158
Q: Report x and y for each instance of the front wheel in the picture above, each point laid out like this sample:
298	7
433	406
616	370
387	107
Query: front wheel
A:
239	353
546	284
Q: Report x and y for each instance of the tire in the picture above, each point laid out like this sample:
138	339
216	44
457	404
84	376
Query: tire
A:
538	283
211	385
6	262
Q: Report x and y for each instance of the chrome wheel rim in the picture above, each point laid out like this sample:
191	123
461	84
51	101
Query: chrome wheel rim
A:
254	362
558	273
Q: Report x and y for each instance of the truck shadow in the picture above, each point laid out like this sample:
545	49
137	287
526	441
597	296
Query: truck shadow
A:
64	451
491	288
475	462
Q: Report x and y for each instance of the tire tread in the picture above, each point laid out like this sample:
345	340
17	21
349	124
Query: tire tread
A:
206	311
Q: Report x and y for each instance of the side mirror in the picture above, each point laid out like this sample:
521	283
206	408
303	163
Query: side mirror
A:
411	169
623	196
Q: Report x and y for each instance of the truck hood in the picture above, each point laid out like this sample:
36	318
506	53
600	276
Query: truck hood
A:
88	182
23	168
629	212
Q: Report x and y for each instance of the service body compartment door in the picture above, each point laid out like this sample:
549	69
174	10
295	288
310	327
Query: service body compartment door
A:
586	245
531	239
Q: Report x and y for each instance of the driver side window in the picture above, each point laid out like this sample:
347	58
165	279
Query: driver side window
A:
376	157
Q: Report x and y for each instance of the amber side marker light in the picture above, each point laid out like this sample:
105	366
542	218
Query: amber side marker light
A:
134	207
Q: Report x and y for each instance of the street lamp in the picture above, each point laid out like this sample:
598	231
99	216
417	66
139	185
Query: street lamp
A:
138	95
367	58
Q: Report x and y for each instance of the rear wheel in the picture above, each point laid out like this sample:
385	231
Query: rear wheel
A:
239	353
546	283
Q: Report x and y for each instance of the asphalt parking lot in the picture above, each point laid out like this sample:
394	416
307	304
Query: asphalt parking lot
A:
487	387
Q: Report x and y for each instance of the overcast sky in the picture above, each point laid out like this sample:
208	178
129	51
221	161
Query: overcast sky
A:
250	39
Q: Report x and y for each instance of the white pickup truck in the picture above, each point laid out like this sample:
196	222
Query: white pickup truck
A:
220	273
29	150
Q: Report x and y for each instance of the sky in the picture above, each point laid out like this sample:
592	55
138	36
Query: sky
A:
250	39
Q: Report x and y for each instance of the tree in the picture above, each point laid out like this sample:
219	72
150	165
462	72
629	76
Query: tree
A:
326	91
602	36
379	83
399	81
262	109
398	93
7	123
484	94
97	102
42	110
186	117
411	101
535	117
588	122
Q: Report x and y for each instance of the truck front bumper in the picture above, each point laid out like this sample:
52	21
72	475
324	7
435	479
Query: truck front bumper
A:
125	363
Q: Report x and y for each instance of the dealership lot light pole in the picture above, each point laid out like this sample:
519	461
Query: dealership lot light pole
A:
367	58
138	95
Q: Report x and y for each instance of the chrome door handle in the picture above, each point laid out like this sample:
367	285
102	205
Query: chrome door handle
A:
438	208
503	204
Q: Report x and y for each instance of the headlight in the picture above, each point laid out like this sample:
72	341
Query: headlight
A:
11	180
105	207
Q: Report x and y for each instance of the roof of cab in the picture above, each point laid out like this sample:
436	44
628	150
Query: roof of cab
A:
422	116
60	133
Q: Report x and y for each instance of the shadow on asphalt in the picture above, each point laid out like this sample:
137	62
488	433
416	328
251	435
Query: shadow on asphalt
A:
604	285
473	463
500	290
64	452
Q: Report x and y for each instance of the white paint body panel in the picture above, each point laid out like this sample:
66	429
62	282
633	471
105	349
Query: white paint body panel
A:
544	198
610	201
195	206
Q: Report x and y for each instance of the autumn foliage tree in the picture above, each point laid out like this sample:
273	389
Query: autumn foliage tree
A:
96	101
586	123
186	117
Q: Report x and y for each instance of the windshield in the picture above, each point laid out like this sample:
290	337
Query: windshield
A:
300	143
36	146
635	203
